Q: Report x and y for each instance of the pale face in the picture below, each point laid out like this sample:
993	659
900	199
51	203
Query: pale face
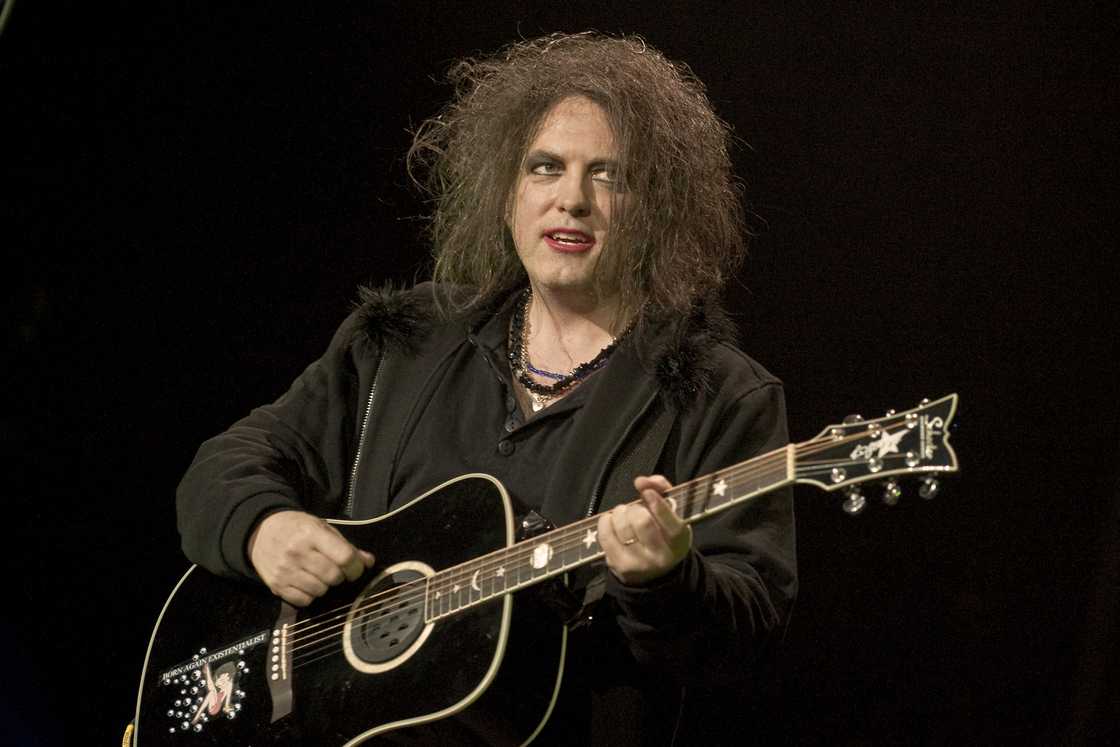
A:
563	199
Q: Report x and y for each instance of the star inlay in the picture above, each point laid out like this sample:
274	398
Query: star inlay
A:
720	488
591	538
889	442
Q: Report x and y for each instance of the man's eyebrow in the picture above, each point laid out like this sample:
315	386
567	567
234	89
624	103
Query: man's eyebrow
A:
539	153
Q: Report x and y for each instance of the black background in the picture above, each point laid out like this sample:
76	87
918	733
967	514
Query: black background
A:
192	193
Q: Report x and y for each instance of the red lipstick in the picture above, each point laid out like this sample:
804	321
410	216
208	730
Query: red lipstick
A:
568	240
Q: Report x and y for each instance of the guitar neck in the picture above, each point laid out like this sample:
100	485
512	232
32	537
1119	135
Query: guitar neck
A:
841	456
550	554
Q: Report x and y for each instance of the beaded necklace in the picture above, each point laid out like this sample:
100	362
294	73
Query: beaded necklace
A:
543	394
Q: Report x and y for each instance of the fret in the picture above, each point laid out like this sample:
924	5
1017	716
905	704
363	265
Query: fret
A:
501	577
523	571
442	602
570	552
490	586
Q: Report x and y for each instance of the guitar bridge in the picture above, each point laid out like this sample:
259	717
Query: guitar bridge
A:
280	664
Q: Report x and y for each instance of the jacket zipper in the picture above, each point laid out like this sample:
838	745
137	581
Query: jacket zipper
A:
596	495
351	491
600	482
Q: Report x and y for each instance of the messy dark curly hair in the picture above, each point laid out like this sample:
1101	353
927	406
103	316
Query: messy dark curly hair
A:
681	232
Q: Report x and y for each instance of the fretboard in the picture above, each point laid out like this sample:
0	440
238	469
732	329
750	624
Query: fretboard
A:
550	554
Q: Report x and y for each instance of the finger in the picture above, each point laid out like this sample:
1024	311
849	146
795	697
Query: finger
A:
340	552
660	483
323	568
606	536
620	522
675	533
662	513
355	568
619	560
294	596
307	583
366	557
646	528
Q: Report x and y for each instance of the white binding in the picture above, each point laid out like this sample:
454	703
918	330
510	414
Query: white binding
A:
148	653
503	634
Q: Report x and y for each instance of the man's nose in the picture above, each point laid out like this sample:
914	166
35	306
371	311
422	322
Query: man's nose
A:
573	197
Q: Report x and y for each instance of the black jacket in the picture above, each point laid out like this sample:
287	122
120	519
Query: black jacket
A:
329	444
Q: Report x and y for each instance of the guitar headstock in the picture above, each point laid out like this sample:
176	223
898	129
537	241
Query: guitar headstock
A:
910	443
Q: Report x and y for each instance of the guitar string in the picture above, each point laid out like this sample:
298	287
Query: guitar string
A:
566	540
326	642
462	571
458	574
457	605
567	534
317	652
571	540
564	543
570	537
367	614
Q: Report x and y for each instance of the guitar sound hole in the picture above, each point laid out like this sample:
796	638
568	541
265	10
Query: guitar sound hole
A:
387	623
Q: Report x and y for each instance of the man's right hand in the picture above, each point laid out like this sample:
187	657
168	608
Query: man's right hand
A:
300	556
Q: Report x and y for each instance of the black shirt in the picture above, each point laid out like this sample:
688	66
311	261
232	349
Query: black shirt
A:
473	423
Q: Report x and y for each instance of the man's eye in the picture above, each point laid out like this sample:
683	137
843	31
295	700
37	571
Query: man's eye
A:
544	168
609	178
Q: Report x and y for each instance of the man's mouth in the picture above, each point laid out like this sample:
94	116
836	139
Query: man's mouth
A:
569	241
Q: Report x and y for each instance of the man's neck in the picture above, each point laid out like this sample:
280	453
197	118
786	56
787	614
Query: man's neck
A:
567	329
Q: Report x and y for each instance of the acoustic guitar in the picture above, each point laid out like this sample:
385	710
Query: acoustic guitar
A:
412	652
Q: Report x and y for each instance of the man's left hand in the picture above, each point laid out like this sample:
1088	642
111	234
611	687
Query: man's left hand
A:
645	539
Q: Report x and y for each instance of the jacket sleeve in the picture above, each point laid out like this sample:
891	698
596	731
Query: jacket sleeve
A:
291	454
727	603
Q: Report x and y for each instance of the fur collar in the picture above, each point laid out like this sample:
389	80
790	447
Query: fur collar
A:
679	353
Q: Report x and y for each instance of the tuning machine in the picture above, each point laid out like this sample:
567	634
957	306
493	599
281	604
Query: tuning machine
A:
891	492
854	502
929	488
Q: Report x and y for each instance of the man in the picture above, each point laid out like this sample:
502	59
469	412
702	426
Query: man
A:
585	216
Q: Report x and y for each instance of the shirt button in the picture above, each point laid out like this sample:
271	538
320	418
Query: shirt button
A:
511	403
505	447
511	425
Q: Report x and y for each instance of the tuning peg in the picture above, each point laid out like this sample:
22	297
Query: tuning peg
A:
891	412
929	488
854	502
891	492
853	418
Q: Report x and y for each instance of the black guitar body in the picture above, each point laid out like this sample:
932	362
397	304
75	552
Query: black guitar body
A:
230	664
